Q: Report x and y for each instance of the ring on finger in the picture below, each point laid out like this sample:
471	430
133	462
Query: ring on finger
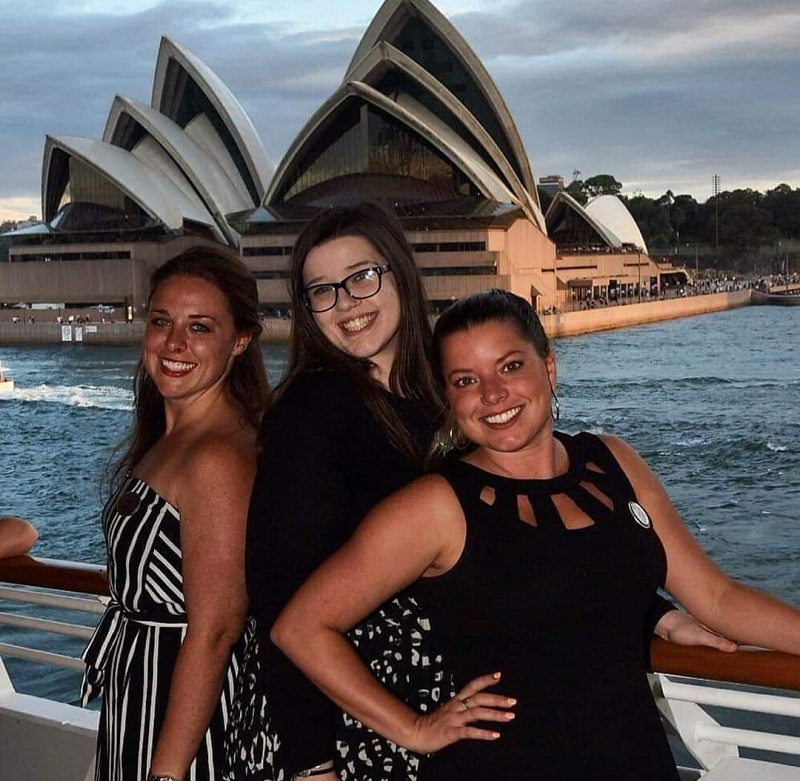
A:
465	702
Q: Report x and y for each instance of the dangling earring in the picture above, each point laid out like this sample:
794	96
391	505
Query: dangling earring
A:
555	407
449	437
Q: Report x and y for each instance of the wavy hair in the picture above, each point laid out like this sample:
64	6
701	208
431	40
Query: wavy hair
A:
247	380
411	375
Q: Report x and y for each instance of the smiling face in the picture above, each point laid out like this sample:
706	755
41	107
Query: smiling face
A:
499	387
190	340
365	328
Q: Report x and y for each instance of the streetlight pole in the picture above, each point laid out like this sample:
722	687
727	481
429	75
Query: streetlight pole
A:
716	183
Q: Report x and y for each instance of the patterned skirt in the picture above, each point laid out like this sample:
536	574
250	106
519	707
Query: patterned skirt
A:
397	645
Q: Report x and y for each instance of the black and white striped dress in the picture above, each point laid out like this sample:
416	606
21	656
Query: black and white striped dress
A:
132	654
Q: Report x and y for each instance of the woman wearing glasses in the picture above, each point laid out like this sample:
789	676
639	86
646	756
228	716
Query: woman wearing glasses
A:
350	424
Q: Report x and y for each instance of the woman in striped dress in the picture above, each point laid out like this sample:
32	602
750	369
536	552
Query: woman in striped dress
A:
164	655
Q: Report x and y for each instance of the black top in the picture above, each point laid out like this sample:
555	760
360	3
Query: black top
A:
563	613
325	464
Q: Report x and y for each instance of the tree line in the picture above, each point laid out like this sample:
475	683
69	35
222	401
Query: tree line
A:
754	231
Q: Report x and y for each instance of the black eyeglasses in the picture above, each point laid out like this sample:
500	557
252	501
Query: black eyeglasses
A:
364	283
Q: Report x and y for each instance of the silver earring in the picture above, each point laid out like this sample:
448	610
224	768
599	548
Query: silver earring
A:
449	437
555	407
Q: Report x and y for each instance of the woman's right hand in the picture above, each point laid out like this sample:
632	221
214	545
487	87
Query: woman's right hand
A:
454	720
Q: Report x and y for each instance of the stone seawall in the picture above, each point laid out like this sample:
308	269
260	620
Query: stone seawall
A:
608	318
566	324
105	333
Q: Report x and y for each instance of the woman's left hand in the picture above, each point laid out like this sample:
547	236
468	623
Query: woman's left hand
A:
681	628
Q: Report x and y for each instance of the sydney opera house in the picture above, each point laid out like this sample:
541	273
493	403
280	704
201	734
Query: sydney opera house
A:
416	123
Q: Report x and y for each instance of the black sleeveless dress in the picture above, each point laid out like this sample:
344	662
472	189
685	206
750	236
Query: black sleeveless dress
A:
563	613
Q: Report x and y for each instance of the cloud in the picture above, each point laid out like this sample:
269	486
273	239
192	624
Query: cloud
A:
661	94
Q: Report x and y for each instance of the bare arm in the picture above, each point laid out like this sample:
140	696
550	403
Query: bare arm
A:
395	545
213	513
17	536
739	612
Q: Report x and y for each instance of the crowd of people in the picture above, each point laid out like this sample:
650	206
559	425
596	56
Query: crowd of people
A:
499	591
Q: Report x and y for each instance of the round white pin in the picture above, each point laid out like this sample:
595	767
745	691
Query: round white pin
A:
639	514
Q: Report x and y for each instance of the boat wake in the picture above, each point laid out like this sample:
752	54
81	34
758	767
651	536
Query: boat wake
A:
86	396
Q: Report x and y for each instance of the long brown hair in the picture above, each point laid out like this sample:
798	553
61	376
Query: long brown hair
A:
247	381
411	375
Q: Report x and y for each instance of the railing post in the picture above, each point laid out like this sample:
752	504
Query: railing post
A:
685	718
6	687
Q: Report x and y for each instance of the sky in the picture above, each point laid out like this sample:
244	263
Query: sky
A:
661	94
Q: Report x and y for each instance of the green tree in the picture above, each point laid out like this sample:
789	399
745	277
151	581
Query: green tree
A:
745	227
784	204
577	190
689	222
602	184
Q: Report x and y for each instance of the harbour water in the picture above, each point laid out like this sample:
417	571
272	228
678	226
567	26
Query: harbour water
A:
711	402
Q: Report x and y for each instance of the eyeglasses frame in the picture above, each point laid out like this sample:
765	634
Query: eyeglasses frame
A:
341	285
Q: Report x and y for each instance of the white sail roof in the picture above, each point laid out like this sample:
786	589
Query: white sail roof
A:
156	195
255	167
384	57
564	201
612	212
484	101
200	171
411	114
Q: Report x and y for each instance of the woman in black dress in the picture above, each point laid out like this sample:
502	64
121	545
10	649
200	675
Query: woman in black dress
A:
537	555
165	652
350	424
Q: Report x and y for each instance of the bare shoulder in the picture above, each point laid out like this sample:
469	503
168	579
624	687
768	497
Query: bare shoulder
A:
219	465
430	494
425	506
623	452
422	525
635	467
222	450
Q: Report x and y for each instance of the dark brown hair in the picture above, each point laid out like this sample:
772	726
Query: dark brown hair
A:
484	307
411	375
247	381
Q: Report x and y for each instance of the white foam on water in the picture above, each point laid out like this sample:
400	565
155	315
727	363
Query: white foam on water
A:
88	396
776	448
690	441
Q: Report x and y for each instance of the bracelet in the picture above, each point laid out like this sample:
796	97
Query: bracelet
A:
317	770
151	776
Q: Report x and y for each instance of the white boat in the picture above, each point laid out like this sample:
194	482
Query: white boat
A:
6	383
44	740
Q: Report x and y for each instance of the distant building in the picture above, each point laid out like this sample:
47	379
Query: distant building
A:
551	185
416	123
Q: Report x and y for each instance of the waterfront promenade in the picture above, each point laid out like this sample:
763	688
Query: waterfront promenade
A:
277	330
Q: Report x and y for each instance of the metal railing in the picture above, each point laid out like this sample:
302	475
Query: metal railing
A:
42	582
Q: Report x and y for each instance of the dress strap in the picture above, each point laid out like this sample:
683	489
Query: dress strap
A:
465	487
595	453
